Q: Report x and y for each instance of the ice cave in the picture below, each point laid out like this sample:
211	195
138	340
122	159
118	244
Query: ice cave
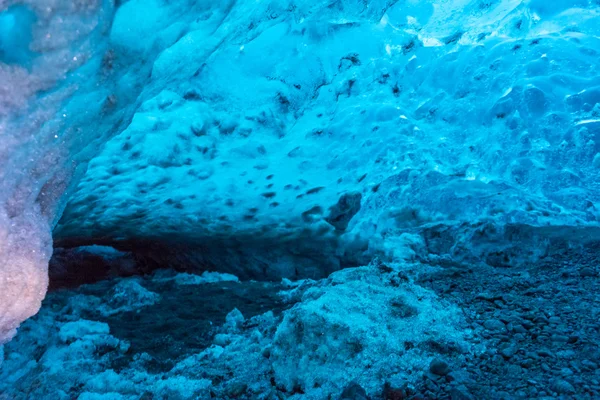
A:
299	199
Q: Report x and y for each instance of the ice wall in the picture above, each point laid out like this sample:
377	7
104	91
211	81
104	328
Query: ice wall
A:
345	126
41	43
256	120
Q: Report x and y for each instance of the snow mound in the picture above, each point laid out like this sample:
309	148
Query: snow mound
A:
368	325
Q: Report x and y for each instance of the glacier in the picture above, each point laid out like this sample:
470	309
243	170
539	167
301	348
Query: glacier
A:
336	150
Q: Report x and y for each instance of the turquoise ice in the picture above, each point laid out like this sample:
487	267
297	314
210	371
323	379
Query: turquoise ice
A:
287	139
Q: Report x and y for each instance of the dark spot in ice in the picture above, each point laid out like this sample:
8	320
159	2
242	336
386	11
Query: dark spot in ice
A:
198	129
495	65
269	195
162	181
519	24
283	102
110	102
315	190
383	79
108	59
294	152
191	95
453	38
348	61
346	208
484	5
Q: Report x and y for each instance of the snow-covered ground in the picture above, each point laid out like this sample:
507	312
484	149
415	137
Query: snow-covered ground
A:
310	339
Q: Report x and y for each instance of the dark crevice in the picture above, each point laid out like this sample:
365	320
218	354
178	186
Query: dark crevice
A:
79	261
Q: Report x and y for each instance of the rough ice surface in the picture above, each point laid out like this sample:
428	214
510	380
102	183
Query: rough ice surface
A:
36	163
286	139
330	335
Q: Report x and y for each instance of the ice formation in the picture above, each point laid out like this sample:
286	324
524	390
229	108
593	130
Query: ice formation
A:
291	138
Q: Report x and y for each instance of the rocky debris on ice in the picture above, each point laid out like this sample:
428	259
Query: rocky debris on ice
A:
346	328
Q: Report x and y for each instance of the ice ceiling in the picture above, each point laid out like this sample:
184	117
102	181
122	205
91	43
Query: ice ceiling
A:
290	137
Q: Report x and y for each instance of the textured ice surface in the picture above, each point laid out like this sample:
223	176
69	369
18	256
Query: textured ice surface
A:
256	119
264	125
36	141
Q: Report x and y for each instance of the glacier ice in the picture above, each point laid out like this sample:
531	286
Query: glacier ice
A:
289	139
466	123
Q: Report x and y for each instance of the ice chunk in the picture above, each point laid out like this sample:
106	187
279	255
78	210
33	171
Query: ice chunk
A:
129	295
335	333
206	277
234	320
78	329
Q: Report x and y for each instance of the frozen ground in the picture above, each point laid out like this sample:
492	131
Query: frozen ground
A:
400	331
179	337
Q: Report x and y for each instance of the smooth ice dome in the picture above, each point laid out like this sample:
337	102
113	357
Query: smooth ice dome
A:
289	139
